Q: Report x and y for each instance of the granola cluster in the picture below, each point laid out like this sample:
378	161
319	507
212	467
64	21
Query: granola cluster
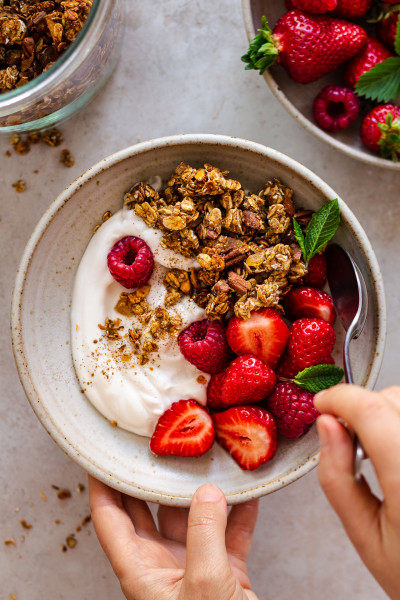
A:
34	34
151	325
244	242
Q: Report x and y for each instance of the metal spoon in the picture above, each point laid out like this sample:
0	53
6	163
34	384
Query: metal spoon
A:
350	298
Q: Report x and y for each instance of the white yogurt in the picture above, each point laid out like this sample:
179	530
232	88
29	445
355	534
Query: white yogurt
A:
132	395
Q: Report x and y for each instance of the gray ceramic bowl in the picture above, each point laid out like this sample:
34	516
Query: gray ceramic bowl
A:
298	98
41	322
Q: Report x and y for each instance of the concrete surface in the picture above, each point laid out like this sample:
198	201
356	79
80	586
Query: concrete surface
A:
180	72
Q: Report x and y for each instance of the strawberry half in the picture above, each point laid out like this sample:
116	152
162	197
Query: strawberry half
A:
309	302
185	429
247	380
308	46
248	433
264	334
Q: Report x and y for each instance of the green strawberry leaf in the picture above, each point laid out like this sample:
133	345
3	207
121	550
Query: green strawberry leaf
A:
317	378
382	82
390	139
397	38
321	228
299	237
262	52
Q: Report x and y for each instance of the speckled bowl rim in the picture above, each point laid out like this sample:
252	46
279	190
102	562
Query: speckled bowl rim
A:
86	462
370	159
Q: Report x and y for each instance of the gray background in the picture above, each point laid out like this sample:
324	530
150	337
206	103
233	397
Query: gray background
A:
180	72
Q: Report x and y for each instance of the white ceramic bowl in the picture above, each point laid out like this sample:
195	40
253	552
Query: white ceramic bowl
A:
298	98
41	322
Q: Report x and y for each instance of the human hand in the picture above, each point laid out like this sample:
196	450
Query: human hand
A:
373	526
196	554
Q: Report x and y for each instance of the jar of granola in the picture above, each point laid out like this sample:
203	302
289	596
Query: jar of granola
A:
55	55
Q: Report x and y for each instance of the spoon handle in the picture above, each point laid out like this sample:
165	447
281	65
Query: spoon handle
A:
358	452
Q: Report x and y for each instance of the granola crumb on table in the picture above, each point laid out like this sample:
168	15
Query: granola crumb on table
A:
244	242
19	185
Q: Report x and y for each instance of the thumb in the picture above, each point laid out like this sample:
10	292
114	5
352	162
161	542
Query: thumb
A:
206	556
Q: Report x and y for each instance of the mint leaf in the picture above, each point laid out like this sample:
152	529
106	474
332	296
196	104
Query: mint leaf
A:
299	237
382	82
321	228
317	378
397	38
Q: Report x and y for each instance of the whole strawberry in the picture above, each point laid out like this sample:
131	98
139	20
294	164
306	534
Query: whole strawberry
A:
316	7
309	302
286	368
308	46
247	380
387	27
311	342
380	130
316	272
293	409
374	53
352	9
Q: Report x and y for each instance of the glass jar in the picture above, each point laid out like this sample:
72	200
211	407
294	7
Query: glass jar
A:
73	79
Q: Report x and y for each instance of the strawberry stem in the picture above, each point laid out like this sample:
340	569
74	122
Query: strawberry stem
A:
263	49
390	140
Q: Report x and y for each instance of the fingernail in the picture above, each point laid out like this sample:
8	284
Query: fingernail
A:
208	493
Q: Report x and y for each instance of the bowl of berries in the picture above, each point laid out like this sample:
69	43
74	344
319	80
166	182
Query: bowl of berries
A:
335	66
171	318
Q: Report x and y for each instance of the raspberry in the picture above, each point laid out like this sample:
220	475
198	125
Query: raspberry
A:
311	342
293	409
336	107
204	345
130	262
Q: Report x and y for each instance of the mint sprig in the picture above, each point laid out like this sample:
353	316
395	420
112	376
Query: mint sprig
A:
382	82
321	228
319	377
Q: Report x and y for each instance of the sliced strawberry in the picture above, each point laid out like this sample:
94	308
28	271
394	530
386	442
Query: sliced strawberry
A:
185	429
247	380
248	433
264	334
309	302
